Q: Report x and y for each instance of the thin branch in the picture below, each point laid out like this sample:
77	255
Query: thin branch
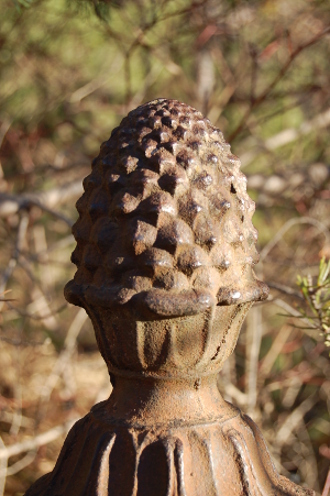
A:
275	349
11	204
45	200
32	316
63	360
21	232
4	128
3	468
97	83
21	342
294	419
286	136
294	313
18	466
292	222
253	339
40	440
7	417
307	452
326	489
285	289
262	97
239	397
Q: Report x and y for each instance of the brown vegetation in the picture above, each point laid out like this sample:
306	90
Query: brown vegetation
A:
69	72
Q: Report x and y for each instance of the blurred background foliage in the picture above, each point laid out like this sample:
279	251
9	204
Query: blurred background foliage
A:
70	70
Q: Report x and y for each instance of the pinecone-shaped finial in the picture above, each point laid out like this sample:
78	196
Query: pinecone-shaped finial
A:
165	220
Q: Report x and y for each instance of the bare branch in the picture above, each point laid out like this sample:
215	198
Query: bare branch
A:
285	289
326	489
290	223
286	136
40	440
294	419
21	232
45	200
253	338
262	97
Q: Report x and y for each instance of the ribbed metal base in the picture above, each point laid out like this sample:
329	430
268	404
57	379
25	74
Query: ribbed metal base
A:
226	456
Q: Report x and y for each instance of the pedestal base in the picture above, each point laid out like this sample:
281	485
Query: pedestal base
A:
226	456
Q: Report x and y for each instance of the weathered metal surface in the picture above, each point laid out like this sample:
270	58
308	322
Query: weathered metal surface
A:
165	249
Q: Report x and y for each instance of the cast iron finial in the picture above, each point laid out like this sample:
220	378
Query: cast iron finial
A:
165	249
165	220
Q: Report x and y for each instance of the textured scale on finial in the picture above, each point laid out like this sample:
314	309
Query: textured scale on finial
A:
165	220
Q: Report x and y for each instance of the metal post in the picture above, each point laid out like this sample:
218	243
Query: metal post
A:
165	254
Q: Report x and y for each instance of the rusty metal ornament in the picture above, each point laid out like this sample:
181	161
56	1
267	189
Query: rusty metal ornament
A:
165	254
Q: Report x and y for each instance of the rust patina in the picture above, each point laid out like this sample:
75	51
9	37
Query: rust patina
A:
165	254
